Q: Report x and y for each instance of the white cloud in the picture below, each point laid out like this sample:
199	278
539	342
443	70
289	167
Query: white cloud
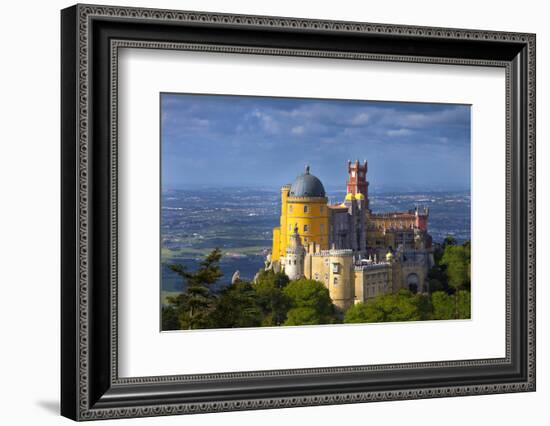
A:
421	120
298	130
360	119
399	132
201	122
268	123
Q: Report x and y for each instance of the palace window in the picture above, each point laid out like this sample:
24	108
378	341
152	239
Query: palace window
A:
306	209
335	280
335	268
306	228
290	208
322	209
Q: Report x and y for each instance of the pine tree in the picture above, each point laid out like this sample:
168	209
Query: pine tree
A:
196	302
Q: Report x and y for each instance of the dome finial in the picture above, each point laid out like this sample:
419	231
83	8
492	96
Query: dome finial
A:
307	169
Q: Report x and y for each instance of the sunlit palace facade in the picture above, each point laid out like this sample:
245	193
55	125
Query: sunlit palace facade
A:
356	253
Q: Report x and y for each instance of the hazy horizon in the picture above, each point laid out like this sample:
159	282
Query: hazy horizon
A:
329	188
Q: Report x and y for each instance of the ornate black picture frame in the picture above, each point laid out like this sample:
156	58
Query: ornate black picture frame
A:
91	36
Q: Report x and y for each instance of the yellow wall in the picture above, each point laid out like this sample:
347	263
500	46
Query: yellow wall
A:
276	240
292	213
342	293
283	235
319	269
280	233
316	219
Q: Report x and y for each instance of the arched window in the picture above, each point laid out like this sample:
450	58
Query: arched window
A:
413	282
335	280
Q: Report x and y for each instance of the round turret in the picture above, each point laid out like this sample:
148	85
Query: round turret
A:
294	258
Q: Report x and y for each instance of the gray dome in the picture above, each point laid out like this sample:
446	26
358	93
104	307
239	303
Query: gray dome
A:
307	185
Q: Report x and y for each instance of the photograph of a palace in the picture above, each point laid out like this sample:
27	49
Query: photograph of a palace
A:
271	215
357	253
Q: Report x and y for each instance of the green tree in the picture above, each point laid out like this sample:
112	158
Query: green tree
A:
195	303
170	319
270	297
435	285
236	307
400	306
443	306
449	241
436	274
424	305
304	293
464	304
451	306
467	253
361	313
303	316
456	258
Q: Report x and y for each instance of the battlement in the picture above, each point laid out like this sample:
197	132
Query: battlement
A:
372	266
333	252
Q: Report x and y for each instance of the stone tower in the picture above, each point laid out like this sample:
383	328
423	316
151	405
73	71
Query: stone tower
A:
357	180
294	259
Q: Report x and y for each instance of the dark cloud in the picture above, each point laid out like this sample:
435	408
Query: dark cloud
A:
237	140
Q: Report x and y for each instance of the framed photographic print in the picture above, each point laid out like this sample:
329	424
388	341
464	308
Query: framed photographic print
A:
263	212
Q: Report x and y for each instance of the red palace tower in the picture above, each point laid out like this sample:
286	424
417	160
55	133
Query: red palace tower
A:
357	180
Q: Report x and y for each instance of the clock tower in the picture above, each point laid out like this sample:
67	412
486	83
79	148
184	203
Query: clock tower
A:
357	180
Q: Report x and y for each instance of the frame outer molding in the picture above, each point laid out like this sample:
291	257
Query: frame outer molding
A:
76	206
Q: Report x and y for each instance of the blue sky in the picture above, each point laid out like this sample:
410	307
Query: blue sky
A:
211	140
